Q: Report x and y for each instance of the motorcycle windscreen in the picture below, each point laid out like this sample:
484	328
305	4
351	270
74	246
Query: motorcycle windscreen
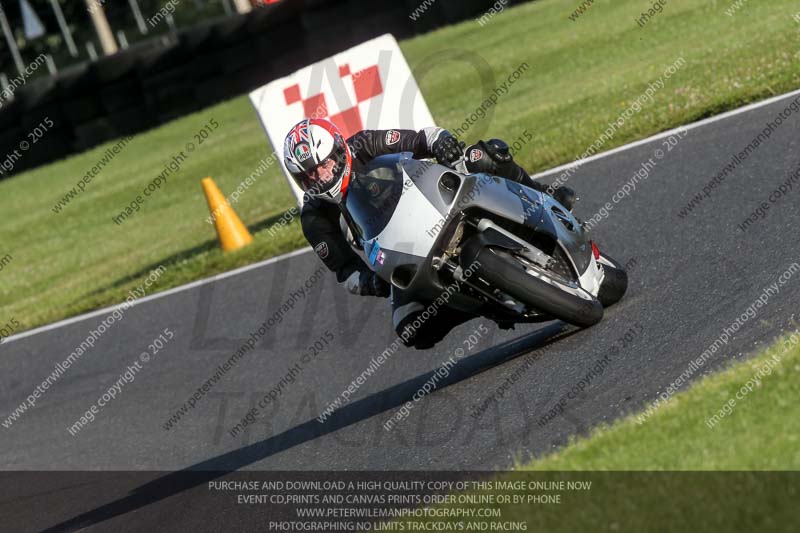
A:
373	194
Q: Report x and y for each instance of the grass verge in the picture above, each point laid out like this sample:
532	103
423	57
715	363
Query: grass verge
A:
580	76
664	474
760	430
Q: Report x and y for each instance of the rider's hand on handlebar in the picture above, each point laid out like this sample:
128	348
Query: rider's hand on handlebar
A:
447	150
378	287
367	283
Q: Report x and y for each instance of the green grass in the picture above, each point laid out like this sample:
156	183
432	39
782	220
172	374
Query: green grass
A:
670	461
762	431
581	75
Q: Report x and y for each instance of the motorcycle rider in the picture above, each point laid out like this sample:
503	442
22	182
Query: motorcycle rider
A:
321	162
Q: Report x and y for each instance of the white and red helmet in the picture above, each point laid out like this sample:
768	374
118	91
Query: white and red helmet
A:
318	158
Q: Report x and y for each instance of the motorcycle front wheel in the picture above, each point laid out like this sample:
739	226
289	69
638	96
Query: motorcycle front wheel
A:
533	288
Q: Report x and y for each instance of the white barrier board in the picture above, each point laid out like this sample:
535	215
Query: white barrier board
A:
369	86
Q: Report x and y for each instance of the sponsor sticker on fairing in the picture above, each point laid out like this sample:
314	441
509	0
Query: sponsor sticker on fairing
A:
375	253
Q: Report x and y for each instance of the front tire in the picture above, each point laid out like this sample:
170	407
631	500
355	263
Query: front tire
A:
503	271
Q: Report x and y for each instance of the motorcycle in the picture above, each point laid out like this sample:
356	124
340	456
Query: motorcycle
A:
513	254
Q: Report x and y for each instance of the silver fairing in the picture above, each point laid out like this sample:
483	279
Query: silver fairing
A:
425	207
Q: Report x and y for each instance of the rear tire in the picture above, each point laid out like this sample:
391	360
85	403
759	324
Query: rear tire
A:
506	273
615	282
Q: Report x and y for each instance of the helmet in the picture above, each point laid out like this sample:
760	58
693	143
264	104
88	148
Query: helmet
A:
318	158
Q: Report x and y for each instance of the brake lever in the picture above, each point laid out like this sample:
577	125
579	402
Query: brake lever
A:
460	165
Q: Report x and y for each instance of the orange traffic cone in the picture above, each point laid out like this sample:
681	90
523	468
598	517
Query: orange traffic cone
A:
230	230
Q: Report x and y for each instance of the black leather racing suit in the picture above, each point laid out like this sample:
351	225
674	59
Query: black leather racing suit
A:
320	222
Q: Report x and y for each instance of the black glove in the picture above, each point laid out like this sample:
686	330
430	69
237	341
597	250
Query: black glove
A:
378	287
368	283
446	149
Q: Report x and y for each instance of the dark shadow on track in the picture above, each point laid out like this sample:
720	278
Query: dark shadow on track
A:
357	411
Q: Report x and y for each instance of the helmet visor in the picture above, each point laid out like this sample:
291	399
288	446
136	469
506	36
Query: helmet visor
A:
320	178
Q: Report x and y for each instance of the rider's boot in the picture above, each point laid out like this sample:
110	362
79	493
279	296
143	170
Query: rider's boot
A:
565	196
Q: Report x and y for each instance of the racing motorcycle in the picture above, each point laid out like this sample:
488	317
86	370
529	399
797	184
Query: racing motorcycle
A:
514	254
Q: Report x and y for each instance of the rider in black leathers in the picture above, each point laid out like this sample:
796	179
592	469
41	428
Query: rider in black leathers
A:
321	212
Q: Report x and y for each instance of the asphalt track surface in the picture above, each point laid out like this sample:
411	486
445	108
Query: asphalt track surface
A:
689	278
